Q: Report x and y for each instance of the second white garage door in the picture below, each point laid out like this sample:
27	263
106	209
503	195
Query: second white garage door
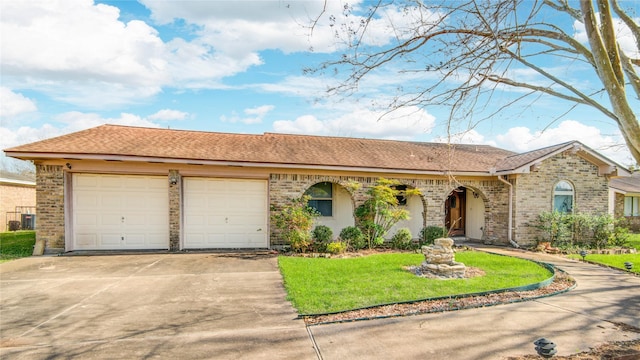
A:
225	213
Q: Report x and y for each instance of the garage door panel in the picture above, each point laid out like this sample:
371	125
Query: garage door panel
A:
234	210
120	212
87	240
110	241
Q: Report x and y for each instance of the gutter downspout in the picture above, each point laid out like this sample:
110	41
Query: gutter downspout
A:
510	226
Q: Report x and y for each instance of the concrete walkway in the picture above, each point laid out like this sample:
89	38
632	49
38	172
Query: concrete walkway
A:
589	315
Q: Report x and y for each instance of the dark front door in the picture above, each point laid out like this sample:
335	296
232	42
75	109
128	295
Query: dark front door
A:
454	212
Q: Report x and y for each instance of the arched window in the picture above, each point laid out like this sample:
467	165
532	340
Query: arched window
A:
563	197
321	198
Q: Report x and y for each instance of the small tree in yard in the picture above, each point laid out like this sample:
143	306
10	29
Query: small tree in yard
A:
295	221
381	211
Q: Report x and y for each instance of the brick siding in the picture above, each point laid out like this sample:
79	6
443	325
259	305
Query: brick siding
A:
50	207
533	192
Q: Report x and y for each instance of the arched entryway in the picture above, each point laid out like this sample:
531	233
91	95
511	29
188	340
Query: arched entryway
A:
465	213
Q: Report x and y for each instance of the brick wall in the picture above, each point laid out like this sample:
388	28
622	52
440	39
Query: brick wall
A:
533	192
12	195
50	207
284	187
174	210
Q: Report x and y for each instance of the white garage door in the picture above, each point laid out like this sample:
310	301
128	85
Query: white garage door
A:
112	212
225	213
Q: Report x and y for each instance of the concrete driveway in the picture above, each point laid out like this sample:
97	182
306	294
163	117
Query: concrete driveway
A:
183	306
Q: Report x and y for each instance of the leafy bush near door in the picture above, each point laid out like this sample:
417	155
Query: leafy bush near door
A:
322	236
428	234
402	239
353	237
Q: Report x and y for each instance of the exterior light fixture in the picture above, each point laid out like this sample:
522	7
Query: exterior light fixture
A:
628	265
545	348
583	253
173	178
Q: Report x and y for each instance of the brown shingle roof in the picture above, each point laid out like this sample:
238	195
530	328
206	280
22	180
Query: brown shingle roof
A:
517	160
629	184
125	141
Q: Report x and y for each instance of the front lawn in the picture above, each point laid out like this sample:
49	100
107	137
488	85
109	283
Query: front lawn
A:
320	285
16	244
616	261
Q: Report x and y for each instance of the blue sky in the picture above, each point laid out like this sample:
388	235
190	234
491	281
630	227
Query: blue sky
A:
229	66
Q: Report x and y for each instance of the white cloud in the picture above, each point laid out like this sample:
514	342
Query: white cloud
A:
403	124
65	123
168	115
623	34
522	139
13	104
256	115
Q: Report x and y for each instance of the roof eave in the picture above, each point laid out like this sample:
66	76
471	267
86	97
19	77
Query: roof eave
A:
152	159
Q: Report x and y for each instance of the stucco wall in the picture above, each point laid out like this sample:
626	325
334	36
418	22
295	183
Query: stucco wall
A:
12	195
533	192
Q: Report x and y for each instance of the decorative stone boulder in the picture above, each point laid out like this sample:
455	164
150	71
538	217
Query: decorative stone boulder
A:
440	260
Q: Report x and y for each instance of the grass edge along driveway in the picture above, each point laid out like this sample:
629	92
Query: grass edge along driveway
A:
321	285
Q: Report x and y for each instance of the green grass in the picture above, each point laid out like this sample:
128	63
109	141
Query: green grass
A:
319	285
633	241
16	244
616	261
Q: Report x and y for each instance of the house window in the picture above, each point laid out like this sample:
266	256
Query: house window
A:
402	195
563	197
632	206
321	198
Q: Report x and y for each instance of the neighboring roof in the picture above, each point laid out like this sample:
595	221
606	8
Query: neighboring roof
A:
627	185
16	179
111	142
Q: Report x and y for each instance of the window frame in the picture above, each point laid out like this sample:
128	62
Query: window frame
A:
313	198
557	193
633	210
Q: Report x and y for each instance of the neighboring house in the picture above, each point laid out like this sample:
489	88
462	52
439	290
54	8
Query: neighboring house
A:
625	195
17	201
117	187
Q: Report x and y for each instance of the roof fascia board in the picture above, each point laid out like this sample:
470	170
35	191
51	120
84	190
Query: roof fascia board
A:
234	163
17	182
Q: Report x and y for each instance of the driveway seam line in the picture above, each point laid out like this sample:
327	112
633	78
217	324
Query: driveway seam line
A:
314	343
86	298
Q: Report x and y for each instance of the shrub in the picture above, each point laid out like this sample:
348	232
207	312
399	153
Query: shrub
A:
554	227
336	247
428	234
322	235
402	239
353	237
295	221
581	230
